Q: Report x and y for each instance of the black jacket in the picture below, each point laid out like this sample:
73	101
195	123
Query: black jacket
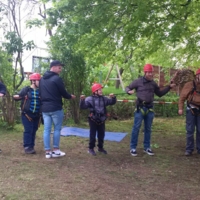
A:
2	88
25	94
52	90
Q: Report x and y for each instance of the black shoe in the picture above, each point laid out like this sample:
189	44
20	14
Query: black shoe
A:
0	150
188	153
92	152
29	150
149	151
102	150
133	152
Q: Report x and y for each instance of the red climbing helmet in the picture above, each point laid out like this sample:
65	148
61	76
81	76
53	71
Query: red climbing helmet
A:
96	86
34	77
148	68
198	72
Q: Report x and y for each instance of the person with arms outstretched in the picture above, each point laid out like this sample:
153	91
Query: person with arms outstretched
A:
97	105
145	88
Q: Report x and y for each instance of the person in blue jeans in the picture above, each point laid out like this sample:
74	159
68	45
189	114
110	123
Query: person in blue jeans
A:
191	94
145	88
52	90
30	112
2	93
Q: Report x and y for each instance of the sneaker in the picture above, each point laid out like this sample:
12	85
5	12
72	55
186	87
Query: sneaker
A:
29	150
133	152
188	153
102	150
48	154
57	153
149	151
92	152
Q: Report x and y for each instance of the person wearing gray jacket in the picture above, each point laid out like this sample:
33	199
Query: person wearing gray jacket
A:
145	88
97	105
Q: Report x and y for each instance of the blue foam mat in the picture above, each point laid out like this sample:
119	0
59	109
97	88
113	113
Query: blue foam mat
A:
81	132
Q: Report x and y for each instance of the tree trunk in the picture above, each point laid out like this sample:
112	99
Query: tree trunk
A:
117	83
9	110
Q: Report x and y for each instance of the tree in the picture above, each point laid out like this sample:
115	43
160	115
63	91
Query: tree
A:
11	54
100	29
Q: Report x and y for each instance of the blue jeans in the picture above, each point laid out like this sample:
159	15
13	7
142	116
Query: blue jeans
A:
192	121
148	120
55	118
30	128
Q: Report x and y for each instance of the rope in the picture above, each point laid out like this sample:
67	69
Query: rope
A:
158	102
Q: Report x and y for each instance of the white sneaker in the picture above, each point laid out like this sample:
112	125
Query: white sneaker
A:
57	153
48	154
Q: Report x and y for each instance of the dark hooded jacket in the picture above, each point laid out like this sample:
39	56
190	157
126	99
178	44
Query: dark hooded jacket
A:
2	88
52	90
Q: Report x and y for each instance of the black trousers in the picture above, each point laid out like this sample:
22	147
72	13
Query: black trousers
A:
100	130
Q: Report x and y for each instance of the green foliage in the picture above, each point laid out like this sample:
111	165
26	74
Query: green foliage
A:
15	43
136	31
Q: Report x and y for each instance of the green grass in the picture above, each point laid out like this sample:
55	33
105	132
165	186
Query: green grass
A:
118	175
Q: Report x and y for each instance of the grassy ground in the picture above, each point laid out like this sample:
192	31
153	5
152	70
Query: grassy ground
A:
168	175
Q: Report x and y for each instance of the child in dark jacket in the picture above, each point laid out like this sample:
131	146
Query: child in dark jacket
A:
97	105
30	112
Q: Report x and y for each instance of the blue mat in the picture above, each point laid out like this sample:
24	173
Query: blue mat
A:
81	132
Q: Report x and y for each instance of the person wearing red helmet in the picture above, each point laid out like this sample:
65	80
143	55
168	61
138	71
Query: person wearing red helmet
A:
30	112
145	88
97	105
191	94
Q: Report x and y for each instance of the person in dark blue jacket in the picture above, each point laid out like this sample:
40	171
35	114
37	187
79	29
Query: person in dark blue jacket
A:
2	93
30	112
2	89
52	90
97	105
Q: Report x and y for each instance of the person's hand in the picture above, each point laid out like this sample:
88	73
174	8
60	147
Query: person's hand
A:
131	92
16	96
172	85
1	94
73	96
111	95
180	112
82	97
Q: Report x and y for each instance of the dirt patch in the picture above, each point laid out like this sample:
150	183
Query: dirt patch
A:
118	175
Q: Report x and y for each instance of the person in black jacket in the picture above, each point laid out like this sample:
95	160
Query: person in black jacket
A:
2	89
97	105
52	91
2	93
30	112
145	88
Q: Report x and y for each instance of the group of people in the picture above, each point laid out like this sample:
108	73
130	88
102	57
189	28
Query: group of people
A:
43	100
